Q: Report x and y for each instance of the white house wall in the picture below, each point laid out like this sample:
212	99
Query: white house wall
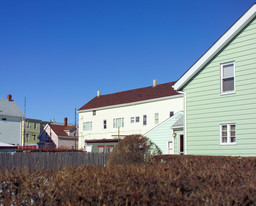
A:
163	107
10	130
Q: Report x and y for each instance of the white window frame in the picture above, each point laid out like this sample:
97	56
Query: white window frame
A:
115	120
156	118
228	134
87	126
132	120
221	78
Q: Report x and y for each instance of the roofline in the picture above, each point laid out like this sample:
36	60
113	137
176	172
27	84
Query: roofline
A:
131	103
247	17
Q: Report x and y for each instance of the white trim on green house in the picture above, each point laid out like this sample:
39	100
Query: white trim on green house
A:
217	46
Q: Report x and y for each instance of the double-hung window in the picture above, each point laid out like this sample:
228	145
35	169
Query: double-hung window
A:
118	122
228	78
105	124
144	119
87	126
156	118
227	134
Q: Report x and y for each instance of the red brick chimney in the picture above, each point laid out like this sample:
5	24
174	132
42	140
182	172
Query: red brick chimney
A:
65	121
9	97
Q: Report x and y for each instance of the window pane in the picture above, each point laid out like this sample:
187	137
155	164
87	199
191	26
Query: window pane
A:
137	119
224	127
228	84
233	127
118	122
224	133
228	71
156	118
232	133
224	139
145	120
132	119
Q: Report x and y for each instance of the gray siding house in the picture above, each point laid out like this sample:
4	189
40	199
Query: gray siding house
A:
10	121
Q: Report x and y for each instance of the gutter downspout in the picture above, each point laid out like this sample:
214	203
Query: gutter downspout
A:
185	120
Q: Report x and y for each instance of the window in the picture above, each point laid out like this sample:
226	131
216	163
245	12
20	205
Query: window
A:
105	124
34	137
118	122
101	149
27	137
156	118
34	125
87	126
94	112
4	119
228	134
144	119
28	125
135	119
171	114
227	78
110	148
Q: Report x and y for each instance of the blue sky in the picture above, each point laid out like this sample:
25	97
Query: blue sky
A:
59	53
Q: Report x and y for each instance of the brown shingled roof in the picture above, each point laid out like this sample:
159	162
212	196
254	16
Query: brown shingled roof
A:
135	95
60	129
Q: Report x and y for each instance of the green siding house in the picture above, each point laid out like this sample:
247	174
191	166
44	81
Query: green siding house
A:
220	94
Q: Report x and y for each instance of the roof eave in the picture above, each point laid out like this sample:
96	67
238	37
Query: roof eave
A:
217	46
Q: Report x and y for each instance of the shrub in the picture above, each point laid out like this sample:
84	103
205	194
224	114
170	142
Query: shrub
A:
133	149
184	180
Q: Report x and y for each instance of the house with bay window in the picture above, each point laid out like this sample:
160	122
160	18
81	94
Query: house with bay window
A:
106	119
220	94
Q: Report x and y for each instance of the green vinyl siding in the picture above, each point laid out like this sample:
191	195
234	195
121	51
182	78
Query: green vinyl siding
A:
207	108
162	134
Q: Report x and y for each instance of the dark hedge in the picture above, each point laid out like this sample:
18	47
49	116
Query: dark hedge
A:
171	180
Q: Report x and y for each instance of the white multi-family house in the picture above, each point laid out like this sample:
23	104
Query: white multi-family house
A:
10	121
108	118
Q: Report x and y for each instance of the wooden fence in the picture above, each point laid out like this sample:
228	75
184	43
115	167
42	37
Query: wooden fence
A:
50	160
